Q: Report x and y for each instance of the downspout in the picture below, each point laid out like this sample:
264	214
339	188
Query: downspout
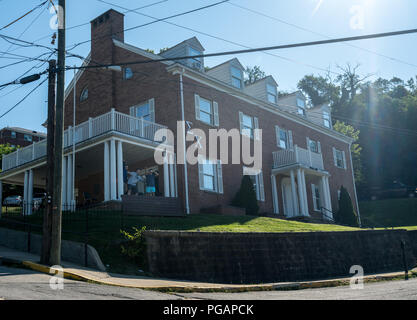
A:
354	185
187	206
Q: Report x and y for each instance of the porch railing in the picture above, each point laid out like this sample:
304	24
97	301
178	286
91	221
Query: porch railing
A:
94	127
298	155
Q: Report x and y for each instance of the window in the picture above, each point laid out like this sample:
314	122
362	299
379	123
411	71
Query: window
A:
27	137
326	119
301	107
237	77
144	111
210	175
84	95
128	73
314	146
316	197
13	134
206	111
272	93
258	183
247	125
339	158
195	62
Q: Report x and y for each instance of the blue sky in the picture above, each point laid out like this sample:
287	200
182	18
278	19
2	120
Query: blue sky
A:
332	18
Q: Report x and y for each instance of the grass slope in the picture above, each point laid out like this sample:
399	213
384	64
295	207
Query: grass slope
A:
389	213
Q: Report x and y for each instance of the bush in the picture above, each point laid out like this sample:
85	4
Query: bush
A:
135	246
246	197
346	214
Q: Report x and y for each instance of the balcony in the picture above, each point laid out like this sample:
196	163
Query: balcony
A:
94	127
300	156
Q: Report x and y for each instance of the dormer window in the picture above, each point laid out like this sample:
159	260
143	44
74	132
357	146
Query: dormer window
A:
237	77
326	119
272	93
195	63
301	105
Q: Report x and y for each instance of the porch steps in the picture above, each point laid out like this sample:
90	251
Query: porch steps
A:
152	206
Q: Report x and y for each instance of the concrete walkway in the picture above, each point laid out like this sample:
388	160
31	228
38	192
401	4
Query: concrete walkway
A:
74	272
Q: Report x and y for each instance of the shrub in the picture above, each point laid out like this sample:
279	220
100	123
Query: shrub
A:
246	197
135	246
346	214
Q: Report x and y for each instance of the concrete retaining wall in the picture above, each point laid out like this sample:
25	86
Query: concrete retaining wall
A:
274	257
71	251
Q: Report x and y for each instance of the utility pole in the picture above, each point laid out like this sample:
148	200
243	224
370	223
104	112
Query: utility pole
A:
47	216
59	133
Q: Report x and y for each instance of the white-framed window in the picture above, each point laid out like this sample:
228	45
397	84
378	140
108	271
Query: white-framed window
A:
272	93
315	191
145	110
258	183
210	175
301	105
326	119
84	94
28	138
248	124
339	158
237	77
284	138
314	146
206	111
128	74
196	63
13	134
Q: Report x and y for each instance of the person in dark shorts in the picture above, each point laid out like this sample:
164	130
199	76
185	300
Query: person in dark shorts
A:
150	183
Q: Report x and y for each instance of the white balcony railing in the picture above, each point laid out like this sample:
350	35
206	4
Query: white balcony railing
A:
298	155
94	127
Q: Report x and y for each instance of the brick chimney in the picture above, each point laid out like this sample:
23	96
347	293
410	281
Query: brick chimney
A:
105	28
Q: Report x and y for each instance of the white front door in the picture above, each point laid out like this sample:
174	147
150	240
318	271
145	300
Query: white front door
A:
287	196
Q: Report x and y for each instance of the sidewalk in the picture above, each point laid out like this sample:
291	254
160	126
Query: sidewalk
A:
74	272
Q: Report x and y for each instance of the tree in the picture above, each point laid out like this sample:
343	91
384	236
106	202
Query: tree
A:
346	214
4	150
319	90
246	197
253	74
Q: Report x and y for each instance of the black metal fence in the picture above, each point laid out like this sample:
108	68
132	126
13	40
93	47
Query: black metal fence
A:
88	225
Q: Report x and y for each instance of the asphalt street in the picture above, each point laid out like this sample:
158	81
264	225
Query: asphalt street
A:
21	284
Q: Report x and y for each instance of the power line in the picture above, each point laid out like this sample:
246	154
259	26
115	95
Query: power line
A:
23	99
279	47
27	13
319	34
219	38
153	22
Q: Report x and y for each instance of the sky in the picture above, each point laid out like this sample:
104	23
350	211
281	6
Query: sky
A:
276	22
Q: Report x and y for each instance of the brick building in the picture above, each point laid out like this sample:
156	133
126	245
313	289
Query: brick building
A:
19	136
304	161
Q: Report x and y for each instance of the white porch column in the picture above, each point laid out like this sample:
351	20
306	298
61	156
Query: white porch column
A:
30	192
106	171
329	198
113	184
64	182
25	193
275	194
166	176
120	183
303	178
301	193
171	174
294	194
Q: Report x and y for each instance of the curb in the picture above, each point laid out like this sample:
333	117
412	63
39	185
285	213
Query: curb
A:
227	288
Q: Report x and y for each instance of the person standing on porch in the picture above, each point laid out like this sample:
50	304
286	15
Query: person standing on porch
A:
150	183
125	178
132	183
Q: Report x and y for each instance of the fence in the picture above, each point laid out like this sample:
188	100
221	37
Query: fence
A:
95	226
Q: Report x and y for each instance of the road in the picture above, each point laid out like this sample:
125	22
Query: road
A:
17	284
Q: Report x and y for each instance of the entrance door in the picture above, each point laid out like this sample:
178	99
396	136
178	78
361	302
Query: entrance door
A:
287	196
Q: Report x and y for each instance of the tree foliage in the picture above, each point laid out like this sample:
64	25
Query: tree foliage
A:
253	74
346	214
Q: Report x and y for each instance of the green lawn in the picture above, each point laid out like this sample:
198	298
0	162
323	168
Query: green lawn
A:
389	213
